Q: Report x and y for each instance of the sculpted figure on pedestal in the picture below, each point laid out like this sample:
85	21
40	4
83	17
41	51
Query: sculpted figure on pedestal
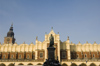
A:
51	38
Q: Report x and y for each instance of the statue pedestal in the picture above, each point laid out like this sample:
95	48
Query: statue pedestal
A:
51	51
51	58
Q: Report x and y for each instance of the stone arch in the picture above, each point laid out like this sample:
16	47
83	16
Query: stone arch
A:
64	64
73	64
83	64
12	64
39	64
20	64
30	64
92	64
2	64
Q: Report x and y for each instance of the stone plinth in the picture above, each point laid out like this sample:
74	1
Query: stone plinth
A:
51	58
51	53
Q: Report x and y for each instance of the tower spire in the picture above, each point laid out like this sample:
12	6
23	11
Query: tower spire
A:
36	37
10	36
51	28
12	24
68	38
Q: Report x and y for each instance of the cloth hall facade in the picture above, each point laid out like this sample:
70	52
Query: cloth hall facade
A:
69	54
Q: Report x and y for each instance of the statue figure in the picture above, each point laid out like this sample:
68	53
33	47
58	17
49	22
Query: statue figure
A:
51	38
51	61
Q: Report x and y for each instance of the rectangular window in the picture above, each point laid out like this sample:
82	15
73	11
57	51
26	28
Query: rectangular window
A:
20	56
63	54
93	56
4	56
27	56
12	56
98	52
85	56
82	52
41	54
77	55
90	52
33	56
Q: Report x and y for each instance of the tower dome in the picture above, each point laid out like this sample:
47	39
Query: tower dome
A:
10	33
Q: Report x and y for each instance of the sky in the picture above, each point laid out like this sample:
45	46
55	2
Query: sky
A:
78	19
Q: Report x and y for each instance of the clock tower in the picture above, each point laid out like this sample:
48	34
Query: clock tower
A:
9	39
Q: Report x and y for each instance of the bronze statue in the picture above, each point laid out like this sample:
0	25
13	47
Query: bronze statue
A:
51	61
51	38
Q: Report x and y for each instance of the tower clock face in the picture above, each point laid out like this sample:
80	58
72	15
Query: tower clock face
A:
8	39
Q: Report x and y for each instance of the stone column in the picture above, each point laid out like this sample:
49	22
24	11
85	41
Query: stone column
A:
59	50
68	48
45	50
36	50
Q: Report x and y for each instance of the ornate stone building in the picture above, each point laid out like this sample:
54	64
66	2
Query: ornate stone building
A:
69	54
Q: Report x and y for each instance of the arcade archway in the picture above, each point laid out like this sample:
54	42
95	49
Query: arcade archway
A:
39	64
64	64
2	64
11	64
92	64
73	64
30	64
20	64
82	64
